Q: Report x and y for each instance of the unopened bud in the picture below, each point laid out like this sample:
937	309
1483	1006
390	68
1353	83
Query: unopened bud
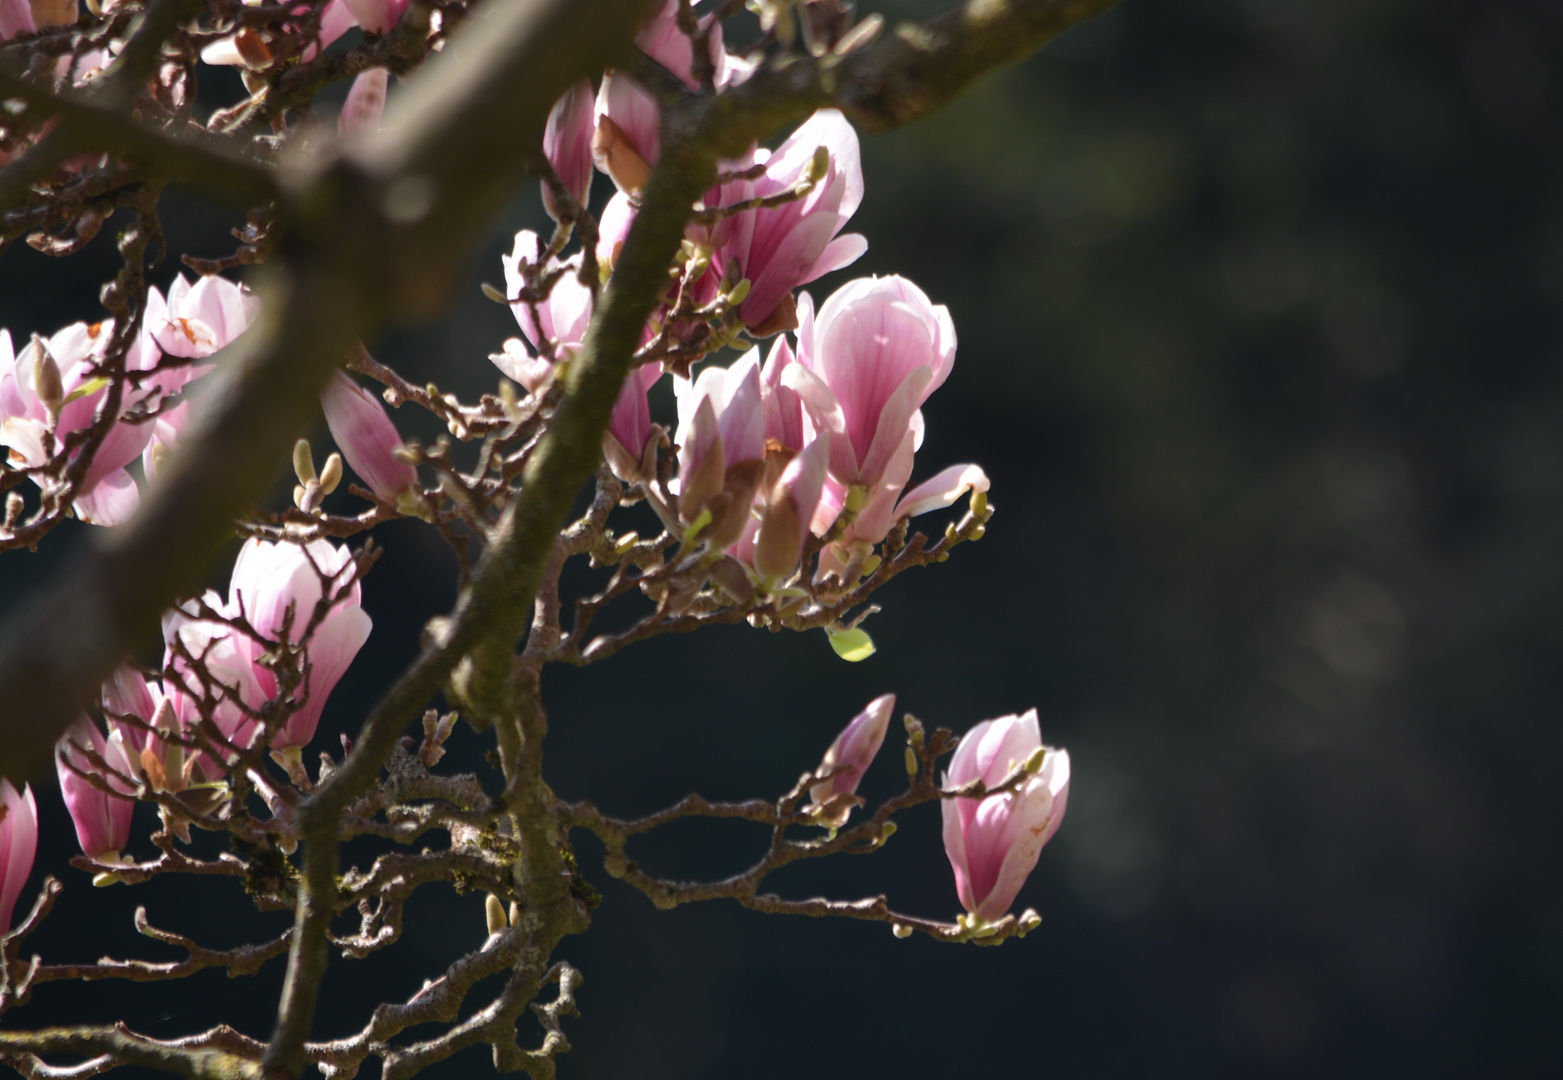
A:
46	382
979	505
303	463
977	532
1034	762
331	475
819	164
1029	921
14	505
494	294
856	496
738	293
871	564
515	913
912	764
901	930
494	913
887	831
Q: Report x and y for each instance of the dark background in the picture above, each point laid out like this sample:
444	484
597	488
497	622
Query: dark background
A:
1257	308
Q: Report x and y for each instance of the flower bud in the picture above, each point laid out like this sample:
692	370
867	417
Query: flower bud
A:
303	462
331	475
102	819
567	143
365	103
18	845
993	843
494	914
851	754
46	382
367	436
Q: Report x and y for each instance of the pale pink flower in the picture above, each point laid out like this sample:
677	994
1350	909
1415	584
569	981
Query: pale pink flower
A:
721	437
365	102
855	748
16	17
614	228
18	846
270	581
126	693
367	437
377	16
866	364
630	432
782	247
772	543
567	143
65	362
782	407
198	318
628	139
561	319
993	843
102	819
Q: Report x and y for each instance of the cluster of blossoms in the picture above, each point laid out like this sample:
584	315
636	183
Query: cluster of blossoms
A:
259	664
54	390
806	453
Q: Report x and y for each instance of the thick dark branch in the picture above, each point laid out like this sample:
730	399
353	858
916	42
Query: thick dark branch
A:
86	124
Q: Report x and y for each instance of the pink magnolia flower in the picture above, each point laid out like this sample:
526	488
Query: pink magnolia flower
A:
16	17
18	846
627	140
854	748
630	437
561	319
38	411
721	437
993	843
567	143
782	247
270	580
772	542
782	407
192	322
866	365
365	102
248	49
102	819
127	693
377	16
198	318
367	437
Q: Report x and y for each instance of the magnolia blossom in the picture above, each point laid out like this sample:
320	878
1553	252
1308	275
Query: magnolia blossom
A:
560	320
771	546
102	819
273	583
50	391
248	49
193	321
721	437
567	143
866	365
16	17
367	437
627	139
855	749
365	102
18	845
993	843
779	248
377	16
